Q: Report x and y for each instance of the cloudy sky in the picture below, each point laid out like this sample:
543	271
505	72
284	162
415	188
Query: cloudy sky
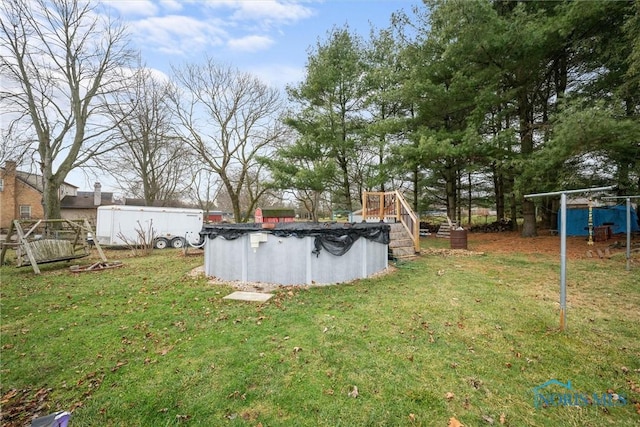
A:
269	38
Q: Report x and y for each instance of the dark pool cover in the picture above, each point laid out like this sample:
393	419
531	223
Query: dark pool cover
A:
335	238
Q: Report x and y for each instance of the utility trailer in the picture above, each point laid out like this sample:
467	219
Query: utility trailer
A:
121	225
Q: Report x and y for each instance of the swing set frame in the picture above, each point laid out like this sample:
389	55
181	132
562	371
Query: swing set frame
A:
42	241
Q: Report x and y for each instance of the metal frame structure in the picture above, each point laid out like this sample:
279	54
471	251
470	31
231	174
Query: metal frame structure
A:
563	242
628	198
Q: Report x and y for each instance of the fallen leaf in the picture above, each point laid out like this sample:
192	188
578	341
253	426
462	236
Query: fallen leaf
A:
353	393
297	349
165	350
488	419
118	366
467	403
449	395
75	406
503	418
8	396
453	422
412	418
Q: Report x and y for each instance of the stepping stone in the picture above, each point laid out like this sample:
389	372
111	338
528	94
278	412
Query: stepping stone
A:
249	296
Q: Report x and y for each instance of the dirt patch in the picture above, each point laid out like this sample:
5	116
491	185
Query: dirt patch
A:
577	246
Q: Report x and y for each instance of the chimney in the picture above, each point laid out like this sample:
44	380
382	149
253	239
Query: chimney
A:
97	194
9	168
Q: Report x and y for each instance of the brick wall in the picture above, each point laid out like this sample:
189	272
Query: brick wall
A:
15	194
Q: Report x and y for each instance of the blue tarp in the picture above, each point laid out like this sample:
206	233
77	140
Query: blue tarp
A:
614	216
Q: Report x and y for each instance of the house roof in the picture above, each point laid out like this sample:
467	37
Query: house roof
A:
33	180
84	200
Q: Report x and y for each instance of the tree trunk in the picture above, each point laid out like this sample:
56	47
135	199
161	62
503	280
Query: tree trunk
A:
50	200
513	207
529	215
50	186
450	189
416	191
346	187
470	201
525	113
498	189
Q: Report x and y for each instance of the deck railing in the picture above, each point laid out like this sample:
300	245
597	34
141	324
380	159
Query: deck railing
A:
391	205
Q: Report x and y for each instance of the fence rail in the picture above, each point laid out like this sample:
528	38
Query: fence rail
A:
391	205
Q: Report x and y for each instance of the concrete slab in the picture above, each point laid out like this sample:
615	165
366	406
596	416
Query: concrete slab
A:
249	296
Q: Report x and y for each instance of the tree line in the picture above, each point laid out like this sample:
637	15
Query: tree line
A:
456	103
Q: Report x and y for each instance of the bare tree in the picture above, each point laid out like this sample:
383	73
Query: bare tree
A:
15	147
252	196
60	61
204	189
230	118
151	161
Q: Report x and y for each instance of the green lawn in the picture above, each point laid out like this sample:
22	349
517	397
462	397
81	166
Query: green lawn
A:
464	337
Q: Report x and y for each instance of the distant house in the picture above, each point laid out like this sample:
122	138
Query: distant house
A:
278	215
84	204
21	194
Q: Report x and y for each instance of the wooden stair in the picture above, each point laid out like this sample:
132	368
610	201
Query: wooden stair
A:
444	231
400	242
393	208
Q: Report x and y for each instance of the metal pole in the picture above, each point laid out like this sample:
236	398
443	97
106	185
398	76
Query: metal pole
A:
556	193
563	260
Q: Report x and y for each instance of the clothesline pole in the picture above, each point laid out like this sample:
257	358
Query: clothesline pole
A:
563	242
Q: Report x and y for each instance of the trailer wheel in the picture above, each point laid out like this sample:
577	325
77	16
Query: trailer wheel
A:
161	243
177	243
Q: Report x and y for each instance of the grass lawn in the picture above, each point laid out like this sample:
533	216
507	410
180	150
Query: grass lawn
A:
436	340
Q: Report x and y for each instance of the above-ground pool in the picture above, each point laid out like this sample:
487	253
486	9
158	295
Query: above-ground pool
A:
295	253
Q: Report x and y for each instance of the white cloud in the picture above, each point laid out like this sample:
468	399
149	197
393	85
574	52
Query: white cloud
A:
177	34
134	7
171	5
272	11
250	43
263	12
